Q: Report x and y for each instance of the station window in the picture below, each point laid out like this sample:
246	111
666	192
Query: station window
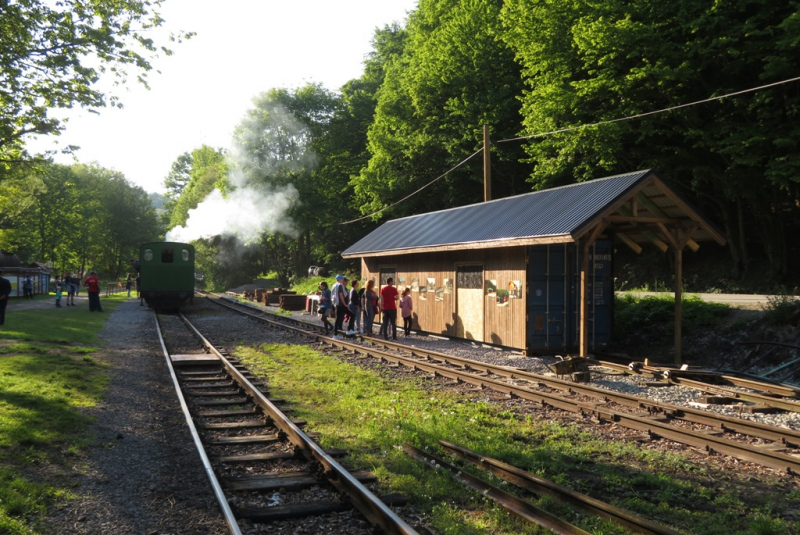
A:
148	254
185	255
167	256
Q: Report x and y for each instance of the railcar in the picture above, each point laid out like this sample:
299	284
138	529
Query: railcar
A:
166	271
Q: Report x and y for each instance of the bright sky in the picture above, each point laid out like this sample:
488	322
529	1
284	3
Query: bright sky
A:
242	48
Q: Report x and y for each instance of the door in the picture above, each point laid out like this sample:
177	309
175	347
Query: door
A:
469	302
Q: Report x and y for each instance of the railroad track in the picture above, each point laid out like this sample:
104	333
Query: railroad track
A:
763	444
247	443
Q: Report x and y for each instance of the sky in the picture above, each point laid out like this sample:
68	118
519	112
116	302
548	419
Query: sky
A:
242	48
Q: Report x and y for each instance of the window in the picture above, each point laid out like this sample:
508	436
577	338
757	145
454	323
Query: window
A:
167	256
185	255
148	254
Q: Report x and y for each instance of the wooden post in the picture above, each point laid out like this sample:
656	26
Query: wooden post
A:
487	165
584	305
678	301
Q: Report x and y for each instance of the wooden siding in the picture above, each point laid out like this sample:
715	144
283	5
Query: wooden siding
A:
504	323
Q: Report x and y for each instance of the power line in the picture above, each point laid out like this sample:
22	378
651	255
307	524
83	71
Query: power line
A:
639	115
459	164
579	127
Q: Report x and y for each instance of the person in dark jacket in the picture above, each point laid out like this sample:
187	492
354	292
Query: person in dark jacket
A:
5	291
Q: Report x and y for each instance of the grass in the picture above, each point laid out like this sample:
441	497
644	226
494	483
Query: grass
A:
370	414
47	373
632	314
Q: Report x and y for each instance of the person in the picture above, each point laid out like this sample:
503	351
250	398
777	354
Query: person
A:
355	310
369	304
339	298
76	281
324	306
58	295
405	308
129	285
69	280
27	288
389	308
5	291
92	284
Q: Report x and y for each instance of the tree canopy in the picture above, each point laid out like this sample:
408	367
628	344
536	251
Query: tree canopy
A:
53	54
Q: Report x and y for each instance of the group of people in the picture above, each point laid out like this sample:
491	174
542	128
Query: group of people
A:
354	304
72	283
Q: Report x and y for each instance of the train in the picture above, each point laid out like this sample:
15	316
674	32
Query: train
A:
167	274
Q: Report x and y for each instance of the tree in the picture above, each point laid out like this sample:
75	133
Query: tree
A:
52	54
454	75
586	63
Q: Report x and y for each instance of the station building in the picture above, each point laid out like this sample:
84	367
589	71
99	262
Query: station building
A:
533	271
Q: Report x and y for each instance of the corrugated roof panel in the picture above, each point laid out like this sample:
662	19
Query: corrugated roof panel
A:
553	212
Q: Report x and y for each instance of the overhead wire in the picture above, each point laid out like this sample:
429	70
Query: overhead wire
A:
459	164
578	127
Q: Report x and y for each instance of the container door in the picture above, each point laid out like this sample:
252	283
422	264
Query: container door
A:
601	295
547	297
469	302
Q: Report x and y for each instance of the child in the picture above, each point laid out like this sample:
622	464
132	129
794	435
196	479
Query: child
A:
405	307
58	295
324	306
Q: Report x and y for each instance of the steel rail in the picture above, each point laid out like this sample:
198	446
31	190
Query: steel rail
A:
649	423
377	512
539	486
507	501
675	376
227	513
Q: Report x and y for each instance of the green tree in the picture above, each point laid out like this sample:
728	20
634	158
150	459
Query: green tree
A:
454	75
193	176
52	54
735	158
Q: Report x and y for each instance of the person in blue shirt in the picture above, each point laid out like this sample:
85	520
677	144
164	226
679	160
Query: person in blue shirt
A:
325	306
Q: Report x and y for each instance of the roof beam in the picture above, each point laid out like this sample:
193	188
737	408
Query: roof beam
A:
654	208
629	242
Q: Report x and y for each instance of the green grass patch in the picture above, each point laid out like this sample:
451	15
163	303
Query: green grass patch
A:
632	314
370	414
44	380
65	325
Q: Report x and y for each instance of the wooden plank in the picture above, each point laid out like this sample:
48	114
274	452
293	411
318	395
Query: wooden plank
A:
246	424
296	480
199	359
253	439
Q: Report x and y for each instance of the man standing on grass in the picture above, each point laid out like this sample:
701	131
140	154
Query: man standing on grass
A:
92	284
5	291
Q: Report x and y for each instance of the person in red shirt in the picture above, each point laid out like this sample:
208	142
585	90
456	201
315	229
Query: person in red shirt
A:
389	298
92	284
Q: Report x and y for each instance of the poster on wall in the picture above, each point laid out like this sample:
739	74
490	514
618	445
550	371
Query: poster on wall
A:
415	285
440	293
491	287
515	290
448	286
502	298
401	285
423	292
431	284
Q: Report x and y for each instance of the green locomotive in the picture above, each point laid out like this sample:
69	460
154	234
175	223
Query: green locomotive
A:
167	274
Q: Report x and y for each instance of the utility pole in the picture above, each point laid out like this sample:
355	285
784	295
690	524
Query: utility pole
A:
487	165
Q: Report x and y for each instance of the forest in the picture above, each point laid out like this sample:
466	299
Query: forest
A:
705	92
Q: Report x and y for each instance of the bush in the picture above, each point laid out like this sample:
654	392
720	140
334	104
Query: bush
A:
633	314
782	309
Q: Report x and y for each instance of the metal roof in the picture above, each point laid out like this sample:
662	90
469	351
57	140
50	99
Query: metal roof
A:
553	213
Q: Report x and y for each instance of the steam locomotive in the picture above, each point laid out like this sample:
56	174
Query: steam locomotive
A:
167	274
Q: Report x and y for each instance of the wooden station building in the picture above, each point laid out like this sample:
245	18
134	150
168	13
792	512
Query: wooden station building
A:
533	271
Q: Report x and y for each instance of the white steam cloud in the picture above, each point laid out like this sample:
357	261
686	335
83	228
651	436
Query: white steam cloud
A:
269	143
244	214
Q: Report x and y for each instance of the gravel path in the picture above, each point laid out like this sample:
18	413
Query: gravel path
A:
143	475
